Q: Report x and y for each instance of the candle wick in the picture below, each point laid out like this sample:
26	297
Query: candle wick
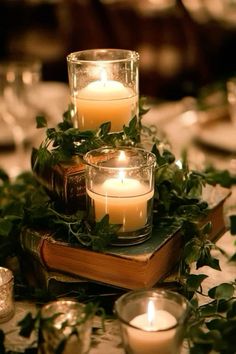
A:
104	78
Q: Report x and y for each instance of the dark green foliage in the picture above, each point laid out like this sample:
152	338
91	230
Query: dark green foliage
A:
178	193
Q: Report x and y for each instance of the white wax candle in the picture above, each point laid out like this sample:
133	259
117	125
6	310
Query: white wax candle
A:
124	199
102	101
156	337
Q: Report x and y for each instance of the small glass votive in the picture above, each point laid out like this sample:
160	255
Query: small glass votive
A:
65	326
152	321
120	183
231	95
7	306
104	87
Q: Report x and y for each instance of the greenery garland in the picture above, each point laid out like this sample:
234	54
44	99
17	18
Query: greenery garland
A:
24	202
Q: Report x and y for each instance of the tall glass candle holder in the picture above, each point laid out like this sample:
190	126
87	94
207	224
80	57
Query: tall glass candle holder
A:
6	294
104	87
64	325
120	183
152	321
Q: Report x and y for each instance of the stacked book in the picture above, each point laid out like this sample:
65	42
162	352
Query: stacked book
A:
127	267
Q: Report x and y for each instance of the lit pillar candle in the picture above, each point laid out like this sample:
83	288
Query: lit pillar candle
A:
157	334
105	101
124	199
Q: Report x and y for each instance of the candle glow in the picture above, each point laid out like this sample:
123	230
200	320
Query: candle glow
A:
151	313
124	199
158	332
102	101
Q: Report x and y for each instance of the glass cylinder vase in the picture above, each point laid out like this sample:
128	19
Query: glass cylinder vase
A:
104	87
152	321
120	183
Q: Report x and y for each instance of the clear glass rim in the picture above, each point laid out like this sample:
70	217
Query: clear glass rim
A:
153	293
151	158
73	57
60	302
9	275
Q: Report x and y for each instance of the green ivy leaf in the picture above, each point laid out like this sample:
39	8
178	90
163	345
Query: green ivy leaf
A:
206	259
192	252
27	325
231	313
224	305
222	177
5	226
222	291
194	281
209	309
218	324
4	176
41	122
105	128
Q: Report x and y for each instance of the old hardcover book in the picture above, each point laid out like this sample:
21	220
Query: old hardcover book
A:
132	267
64	182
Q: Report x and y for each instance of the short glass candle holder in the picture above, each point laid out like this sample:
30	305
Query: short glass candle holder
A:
120	183
6	294
104	87
64	328
152	321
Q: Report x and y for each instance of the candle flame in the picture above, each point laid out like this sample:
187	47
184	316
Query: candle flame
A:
121	175
122	156
151	313
103	77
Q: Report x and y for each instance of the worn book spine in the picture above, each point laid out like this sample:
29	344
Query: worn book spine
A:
65	183
39	274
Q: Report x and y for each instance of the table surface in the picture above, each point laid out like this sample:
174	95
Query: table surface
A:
178	122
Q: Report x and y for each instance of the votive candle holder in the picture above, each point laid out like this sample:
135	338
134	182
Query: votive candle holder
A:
104	87
152	321
65	326
120	183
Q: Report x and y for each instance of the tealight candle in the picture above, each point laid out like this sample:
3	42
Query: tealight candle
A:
152	321
119	183
6	294
104	87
